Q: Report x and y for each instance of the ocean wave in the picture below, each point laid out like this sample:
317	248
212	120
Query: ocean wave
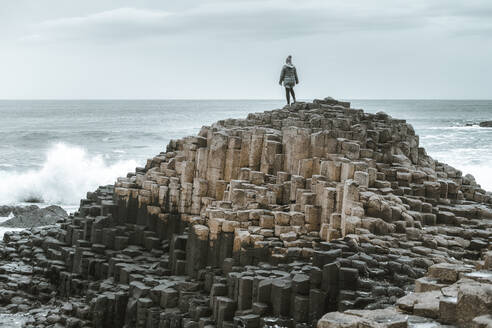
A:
480	169
481	173
65	176
38	135
5	218
474	128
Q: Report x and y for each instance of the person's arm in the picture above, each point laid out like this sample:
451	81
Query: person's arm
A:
295	72
282	74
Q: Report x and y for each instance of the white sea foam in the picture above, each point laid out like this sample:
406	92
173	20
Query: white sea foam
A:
4	230
460	128
481	172
12	320
67	173
5	218
469	163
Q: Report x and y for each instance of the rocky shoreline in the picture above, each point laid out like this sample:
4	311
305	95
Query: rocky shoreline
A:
31	216
311	215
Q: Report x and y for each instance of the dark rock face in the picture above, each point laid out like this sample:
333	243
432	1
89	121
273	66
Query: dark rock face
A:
32	216
6	210
269	221
486	124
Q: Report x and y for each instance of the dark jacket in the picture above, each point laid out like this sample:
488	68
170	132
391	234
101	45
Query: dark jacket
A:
289	75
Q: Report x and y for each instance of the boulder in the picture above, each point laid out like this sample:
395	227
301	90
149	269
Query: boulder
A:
339	320
6	210
474	299
486	124
488	261
447	272
33	216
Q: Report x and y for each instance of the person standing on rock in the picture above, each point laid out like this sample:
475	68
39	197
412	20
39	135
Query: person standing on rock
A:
289	77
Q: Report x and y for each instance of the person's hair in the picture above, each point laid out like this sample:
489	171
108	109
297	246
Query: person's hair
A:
288	59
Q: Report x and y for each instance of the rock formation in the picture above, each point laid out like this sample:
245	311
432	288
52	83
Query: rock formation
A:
6	210
270	221
31	216
486	124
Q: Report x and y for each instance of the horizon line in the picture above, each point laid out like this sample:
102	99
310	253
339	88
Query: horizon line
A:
228	99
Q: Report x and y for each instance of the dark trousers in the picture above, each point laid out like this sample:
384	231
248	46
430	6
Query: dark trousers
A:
288	92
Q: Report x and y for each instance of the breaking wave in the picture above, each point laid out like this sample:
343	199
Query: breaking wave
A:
67	173
481	172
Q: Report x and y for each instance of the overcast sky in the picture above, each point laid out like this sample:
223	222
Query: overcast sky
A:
61	49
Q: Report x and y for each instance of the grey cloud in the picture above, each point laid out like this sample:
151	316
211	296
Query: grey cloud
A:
270	20
472	17
266	20
121	22
459	8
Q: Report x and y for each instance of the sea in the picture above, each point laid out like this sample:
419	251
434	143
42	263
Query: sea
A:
54	151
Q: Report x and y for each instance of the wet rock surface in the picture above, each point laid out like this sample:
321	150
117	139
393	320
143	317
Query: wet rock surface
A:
32	216
314	211
6	210
12	320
